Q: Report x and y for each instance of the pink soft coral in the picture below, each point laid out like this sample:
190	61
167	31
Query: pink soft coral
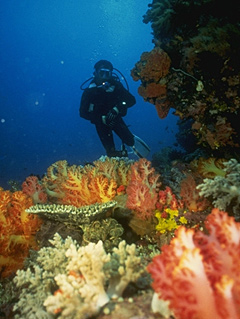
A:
142	190
33	188
199	274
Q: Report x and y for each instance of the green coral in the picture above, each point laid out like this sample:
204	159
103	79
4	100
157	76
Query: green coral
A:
109	231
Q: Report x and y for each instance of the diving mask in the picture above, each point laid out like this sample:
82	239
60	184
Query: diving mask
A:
105	74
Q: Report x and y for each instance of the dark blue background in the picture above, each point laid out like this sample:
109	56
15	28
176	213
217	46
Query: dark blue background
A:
48	48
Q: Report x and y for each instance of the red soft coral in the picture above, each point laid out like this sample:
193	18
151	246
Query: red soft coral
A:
142	190
198	273
190	195
166	199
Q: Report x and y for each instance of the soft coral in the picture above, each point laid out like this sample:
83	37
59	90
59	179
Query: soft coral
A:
198	273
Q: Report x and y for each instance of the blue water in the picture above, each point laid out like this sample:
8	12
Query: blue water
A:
48	48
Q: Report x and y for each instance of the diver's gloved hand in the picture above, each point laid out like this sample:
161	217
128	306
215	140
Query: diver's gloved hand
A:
110	118
122	108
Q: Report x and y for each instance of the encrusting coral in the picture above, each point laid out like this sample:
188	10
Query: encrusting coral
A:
198	274
225	190
80	276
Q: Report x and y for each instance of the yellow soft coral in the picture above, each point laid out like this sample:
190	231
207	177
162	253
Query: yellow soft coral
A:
167	220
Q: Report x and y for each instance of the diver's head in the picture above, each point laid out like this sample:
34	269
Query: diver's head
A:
103	71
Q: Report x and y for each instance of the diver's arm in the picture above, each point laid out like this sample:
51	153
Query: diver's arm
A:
85	109
126	100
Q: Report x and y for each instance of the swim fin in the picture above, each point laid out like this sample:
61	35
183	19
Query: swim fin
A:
140	148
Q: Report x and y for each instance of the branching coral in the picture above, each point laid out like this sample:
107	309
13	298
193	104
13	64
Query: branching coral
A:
80	277
123	268
169	220
225	190
17	230
37	281
198	274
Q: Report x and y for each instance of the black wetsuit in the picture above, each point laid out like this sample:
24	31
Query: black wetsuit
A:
97	102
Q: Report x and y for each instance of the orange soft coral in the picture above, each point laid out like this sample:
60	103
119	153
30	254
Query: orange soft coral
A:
142	191
114	168
199	274
83	189
17	230
86	185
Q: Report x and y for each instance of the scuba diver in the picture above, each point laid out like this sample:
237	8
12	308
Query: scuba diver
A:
105	102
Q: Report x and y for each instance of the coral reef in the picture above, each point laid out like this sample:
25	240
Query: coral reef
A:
198	274
203	82
112	242
83	278
37	281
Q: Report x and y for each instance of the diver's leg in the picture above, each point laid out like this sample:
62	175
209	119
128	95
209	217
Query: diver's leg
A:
123	132
106	136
